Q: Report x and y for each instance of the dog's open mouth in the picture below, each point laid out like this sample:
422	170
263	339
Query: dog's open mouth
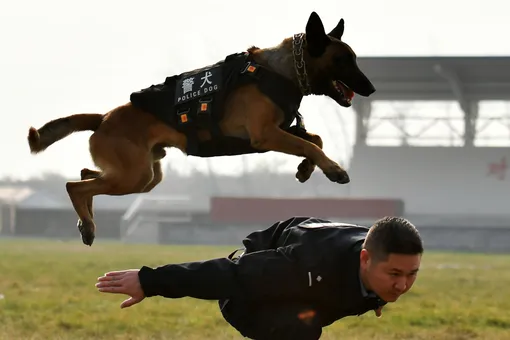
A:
346	94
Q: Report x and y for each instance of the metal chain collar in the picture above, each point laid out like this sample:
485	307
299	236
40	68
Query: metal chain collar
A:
299	63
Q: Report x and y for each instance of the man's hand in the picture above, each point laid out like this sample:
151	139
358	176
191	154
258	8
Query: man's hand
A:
122	282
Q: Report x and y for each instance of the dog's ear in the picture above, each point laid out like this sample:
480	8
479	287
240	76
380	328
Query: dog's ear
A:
316	37
338	31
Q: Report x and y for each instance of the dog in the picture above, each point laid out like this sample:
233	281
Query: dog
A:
245	104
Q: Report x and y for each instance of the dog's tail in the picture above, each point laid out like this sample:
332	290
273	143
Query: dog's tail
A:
55	130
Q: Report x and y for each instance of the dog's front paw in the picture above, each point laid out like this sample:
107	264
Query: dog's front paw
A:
305	170
337	174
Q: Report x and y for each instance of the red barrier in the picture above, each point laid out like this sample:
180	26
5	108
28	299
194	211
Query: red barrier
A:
252	210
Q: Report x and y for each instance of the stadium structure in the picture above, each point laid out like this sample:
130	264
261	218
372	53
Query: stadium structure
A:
431	144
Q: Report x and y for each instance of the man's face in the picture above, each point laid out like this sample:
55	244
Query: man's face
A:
392	277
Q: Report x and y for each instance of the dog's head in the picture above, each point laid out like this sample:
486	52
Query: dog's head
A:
331	64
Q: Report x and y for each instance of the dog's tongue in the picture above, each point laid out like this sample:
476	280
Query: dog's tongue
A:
349	93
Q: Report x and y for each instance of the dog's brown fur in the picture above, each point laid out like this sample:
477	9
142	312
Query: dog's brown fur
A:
128	144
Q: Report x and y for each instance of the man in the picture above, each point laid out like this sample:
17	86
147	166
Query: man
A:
293	278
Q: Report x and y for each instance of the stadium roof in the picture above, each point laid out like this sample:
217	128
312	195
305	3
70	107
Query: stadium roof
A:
14	194
438	78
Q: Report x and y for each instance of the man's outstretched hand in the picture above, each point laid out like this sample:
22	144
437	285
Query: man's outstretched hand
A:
122	282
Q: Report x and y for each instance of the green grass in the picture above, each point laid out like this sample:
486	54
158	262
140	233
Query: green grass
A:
49	293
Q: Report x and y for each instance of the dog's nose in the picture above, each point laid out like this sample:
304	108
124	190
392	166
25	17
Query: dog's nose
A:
368	89
371	89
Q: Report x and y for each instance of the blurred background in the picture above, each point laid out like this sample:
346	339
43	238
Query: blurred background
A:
432	143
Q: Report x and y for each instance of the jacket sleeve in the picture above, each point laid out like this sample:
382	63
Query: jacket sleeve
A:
263	274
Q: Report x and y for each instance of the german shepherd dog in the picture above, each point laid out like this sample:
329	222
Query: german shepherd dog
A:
128	143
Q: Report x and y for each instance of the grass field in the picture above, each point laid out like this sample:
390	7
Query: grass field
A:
48	293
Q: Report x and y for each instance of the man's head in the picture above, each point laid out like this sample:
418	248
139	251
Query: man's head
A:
390	258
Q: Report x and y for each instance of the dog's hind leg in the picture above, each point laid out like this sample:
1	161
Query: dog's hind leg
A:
156	178
158	153
116	182
89	174
86	173
127	169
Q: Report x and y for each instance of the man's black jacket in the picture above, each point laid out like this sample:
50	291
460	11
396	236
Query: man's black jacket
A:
310	260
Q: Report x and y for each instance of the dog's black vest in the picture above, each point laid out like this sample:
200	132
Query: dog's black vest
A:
195	100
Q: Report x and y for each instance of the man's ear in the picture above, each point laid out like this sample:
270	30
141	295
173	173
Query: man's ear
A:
364	258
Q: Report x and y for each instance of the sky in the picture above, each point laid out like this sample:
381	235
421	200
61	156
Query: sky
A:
63	57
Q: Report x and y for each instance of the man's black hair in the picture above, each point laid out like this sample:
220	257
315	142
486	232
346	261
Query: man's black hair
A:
393	235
